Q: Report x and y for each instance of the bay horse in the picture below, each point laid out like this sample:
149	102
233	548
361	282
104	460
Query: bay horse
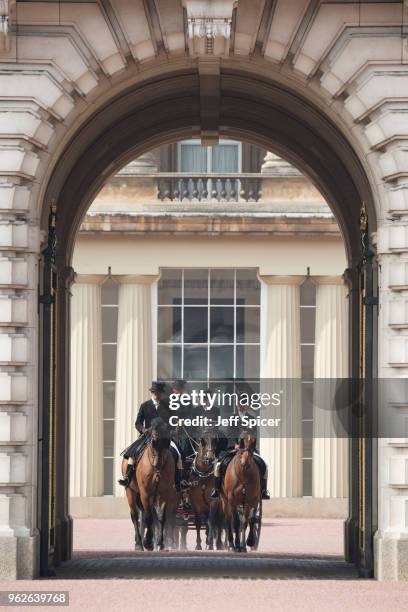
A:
241	495
151	495
202	482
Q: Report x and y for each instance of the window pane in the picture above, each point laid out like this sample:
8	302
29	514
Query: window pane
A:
195	362
307	353
308	293
193	158
109	323
108	438
168	362
222	286
248	321
307	324
248	287
195	324
109	292
225	158
221	362
222	324
195	286
248	362
108	476
169	287
169	324
108	400
307	477
109	361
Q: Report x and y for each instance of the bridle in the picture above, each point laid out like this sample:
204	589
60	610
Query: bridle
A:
152	454
247	450
205	460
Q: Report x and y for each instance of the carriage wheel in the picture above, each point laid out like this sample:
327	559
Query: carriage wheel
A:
257	526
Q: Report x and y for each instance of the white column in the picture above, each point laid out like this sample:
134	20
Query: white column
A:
282	360
330	362
134	361
86	422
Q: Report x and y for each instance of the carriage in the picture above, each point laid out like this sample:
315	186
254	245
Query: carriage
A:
186	521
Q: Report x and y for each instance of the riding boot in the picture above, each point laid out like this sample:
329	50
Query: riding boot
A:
217	485
264	490
127	479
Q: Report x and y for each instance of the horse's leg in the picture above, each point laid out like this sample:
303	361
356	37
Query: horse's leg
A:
251	536
197	521
237	524
212	524
161	517
183	537
170	530
148	522
209	540
243	528
134	515
230	536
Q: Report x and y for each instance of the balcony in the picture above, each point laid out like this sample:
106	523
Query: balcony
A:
140	189
208	187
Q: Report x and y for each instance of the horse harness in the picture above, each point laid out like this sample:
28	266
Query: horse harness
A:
155	465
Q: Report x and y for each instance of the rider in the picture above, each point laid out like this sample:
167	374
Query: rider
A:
149	410
185	412
225	457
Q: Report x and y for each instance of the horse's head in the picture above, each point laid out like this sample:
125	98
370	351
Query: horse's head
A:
247	443
207	447
160	434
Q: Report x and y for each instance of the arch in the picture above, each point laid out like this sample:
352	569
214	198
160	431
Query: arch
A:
252	107
165	108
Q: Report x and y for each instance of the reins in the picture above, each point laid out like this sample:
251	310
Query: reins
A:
156	466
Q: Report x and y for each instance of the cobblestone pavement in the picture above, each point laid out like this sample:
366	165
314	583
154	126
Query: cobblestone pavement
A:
162	565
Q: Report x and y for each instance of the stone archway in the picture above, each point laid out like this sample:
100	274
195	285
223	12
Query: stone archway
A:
170	107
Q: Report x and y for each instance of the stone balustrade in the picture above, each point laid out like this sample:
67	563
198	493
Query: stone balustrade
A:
199	187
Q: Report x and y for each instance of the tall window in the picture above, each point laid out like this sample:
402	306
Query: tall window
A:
208	325
307	348
109	299
222	158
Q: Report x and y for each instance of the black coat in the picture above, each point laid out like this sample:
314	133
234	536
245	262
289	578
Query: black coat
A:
148	412
235	431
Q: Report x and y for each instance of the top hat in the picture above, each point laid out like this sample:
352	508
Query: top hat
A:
179	384
157	387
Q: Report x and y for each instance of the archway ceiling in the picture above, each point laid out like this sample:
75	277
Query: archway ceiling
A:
169	109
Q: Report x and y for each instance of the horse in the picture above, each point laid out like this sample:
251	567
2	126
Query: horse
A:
202	482
151	495
241	495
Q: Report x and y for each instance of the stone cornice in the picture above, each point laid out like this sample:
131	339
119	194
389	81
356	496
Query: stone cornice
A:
294	279
136	279
89	279
204	224
329	280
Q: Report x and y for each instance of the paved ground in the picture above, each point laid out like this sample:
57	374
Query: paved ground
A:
302	556
293	537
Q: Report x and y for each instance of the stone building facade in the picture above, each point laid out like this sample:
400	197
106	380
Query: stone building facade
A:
87	86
